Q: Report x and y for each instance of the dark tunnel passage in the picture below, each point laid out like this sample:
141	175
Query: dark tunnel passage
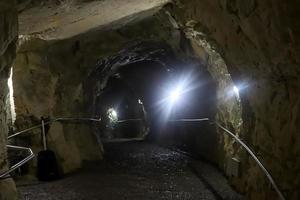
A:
138	94
138	170
148	82
149	99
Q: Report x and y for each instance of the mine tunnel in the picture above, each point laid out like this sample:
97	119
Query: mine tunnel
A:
149	99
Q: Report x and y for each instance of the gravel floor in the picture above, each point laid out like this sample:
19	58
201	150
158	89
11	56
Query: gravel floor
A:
137	170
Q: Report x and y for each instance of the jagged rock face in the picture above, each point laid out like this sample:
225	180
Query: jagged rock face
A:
48	81
259	41
61	19
113	84
229	111
44	86
8	35
49	77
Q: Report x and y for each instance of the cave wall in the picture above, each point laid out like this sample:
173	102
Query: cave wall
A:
49	80
44	86
260	45
256	39
228	102
8	36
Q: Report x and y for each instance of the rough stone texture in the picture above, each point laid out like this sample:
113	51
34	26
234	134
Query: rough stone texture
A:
40	90
259	40
61	66
136	171
48	81
8	34
68	18
228	101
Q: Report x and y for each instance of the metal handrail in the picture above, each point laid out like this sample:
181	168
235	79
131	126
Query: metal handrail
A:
28	129
52	121
31	154
262	167
19	164
25	160
189	120
128	120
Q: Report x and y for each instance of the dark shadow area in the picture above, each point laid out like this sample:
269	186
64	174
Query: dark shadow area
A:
134	170
139	83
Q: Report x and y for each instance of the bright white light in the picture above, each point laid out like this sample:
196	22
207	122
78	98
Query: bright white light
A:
140	102
11	96
175	94
112	115
236	90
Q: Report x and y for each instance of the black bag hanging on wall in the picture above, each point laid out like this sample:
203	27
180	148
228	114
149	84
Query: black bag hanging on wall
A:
47	168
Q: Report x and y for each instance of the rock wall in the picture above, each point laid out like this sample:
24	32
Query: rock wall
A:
8	36
44	86
48	81
260	45
258	42
49	77
229	111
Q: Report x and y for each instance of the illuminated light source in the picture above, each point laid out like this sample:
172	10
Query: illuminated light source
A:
175	94
112	115
11	96
236	90
140	102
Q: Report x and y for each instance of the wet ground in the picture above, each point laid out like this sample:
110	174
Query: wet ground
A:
135	171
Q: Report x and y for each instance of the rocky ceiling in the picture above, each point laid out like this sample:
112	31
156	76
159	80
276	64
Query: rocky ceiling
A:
62	19
259	40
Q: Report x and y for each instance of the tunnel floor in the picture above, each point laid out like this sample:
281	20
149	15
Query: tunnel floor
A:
137	170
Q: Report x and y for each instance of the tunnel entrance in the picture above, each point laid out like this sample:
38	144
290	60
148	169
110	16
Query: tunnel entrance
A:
146	85
138	89
60	41
122	112
152	73
139	94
